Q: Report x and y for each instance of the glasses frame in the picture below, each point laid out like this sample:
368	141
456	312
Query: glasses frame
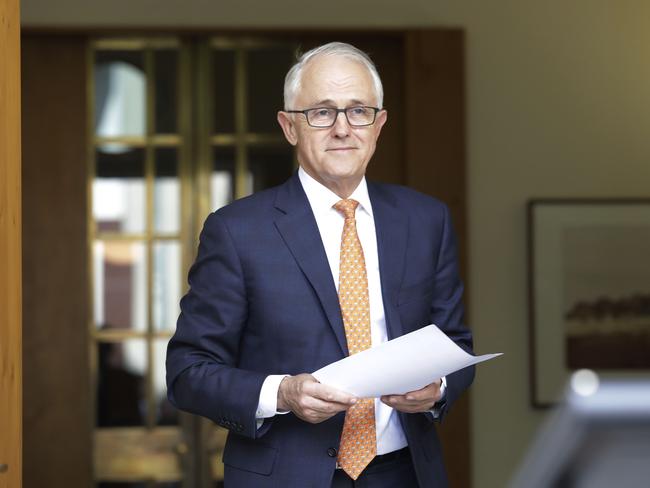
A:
344	111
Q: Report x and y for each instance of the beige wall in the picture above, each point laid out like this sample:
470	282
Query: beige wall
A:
558	105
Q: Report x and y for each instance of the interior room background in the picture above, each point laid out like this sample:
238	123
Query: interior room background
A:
556	105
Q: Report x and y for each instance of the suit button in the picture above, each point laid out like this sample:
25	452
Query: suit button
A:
331	452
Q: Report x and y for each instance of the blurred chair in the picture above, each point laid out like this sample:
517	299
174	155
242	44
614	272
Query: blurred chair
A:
599	437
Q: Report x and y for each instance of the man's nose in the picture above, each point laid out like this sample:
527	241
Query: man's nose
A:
341	127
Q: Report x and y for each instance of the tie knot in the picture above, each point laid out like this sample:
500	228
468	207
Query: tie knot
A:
347	207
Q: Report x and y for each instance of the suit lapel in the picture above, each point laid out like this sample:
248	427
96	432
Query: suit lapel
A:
391	225
297	225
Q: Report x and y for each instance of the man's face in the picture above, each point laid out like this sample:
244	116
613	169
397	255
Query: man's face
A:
335	156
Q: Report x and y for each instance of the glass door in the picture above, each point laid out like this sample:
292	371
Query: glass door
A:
178	128
241	147
138	231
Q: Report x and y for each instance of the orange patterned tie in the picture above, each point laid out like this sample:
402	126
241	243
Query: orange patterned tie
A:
359	440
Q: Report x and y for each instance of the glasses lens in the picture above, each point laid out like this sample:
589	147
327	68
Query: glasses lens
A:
321	117
360	115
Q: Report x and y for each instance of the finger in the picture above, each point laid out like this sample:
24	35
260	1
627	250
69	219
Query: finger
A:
410	408
401	399
331	394
311	386
422	395
428	392
393	399
401	403
396	401
315	411
325	407
404	406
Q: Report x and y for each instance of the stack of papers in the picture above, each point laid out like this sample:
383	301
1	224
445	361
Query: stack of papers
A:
396	367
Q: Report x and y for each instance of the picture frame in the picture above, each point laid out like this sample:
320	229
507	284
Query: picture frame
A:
588	290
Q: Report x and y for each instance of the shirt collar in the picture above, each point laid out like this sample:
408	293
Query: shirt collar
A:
322	199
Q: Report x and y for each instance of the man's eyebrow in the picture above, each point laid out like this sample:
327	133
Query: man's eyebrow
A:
324	103
330	103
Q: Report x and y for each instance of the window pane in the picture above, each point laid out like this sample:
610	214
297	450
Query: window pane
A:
121	398
265	82
166	414
222	179
120	288
166	91
269	166
119	191
120	94
223	90
167	191
215	440
166	284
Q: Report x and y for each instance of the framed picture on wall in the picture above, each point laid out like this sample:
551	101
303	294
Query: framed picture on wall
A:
589	290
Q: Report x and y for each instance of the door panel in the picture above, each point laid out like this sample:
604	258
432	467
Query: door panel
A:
57	408
435	164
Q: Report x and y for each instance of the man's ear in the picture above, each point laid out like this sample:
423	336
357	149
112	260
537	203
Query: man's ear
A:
288	127
382	118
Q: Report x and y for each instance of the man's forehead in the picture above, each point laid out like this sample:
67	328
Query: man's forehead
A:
336	68
332	80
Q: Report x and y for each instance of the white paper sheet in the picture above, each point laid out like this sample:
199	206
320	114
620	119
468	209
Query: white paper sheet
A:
407	363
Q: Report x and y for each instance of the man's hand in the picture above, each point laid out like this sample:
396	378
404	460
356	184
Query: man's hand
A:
417	401
310	400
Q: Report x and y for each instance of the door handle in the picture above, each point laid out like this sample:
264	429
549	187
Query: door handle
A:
4	468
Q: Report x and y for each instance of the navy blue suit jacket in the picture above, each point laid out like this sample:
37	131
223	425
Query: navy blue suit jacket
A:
262	301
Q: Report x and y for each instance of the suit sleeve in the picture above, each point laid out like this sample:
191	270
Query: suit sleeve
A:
202	356
448	311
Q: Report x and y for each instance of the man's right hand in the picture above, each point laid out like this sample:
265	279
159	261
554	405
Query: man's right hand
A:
310	400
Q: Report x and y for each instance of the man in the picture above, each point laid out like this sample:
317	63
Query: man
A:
301	275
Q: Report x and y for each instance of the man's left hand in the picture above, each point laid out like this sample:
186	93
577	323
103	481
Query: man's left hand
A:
417	401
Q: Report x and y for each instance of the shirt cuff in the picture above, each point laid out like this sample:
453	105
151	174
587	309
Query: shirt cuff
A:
268	403
435	411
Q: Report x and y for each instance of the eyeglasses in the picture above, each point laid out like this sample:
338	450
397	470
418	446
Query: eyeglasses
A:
323	117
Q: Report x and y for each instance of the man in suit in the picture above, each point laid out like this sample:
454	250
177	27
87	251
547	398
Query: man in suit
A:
296	277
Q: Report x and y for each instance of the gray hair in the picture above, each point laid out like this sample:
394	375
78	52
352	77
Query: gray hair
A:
293	78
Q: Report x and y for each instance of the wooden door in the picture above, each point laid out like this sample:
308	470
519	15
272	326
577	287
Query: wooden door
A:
10	251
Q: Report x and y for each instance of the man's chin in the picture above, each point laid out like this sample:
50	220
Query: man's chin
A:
340	171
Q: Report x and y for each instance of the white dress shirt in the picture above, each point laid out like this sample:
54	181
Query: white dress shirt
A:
390	436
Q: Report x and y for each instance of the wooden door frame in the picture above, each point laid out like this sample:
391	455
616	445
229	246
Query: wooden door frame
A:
10	249
435	161
433	152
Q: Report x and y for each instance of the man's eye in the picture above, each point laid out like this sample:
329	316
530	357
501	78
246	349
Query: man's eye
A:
322	112
358	110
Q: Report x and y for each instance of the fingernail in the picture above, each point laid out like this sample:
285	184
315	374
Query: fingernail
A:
409	397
